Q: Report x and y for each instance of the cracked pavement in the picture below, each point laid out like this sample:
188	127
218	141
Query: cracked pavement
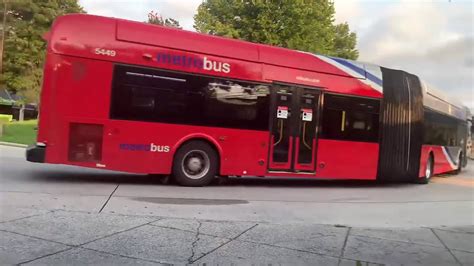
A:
70	237
61	215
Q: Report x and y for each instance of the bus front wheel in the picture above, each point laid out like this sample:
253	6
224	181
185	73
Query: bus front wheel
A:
195	164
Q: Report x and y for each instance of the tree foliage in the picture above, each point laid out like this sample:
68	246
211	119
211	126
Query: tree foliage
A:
155	18
345	42
301	25
24	48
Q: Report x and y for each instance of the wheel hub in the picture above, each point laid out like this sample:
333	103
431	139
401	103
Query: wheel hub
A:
194	164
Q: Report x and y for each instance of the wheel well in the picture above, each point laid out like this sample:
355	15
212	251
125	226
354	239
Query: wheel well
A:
212	145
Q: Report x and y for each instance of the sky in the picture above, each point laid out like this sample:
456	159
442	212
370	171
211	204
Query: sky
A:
432	39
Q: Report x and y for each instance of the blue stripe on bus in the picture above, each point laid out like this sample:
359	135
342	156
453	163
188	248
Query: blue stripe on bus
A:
359	70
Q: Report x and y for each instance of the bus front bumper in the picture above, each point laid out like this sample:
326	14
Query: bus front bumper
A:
35	154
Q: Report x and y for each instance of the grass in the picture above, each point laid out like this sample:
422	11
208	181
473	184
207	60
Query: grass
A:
20	132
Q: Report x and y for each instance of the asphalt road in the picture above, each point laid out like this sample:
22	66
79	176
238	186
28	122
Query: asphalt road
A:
447	201
57	215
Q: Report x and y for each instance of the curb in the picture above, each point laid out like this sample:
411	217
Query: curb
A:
11	144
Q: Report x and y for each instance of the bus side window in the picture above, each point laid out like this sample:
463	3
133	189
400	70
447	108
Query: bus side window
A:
350	118
440	129
155	95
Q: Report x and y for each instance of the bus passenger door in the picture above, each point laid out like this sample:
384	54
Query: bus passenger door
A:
293	129
305	139
281	117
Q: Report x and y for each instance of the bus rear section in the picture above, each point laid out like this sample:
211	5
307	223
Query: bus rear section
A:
154	106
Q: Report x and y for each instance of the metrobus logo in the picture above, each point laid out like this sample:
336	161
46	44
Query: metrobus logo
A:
193	62
144	147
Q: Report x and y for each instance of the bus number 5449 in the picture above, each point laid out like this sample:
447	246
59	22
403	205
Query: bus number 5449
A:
101	51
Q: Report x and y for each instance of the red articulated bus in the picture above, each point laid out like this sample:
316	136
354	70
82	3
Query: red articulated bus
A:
141	98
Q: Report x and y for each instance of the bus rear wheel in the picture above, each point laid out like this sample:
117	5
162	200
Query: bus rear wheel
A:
428	171
195	164
459	168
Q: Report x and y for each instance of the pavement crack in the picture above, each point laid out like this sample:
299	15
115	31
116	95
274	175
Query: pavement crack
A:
38	238
449	250
225	243
47	255
179	229
71	246
394	240
124	256
188	231
110	196
452	231
345	242
85	243
307	251
118	232
26	217
193	245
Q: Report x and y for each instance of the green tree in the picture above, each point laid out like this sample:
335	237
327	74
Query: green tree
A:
345	42
156	19
301	25
24	49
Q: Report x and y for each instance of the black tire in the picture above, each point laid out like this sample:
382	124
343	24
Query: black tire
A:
458	170
195	164
163	179
428	171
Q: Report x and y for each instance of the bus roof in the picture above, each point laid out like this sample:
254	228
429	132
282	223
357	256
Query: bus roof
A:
147	34
113	29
